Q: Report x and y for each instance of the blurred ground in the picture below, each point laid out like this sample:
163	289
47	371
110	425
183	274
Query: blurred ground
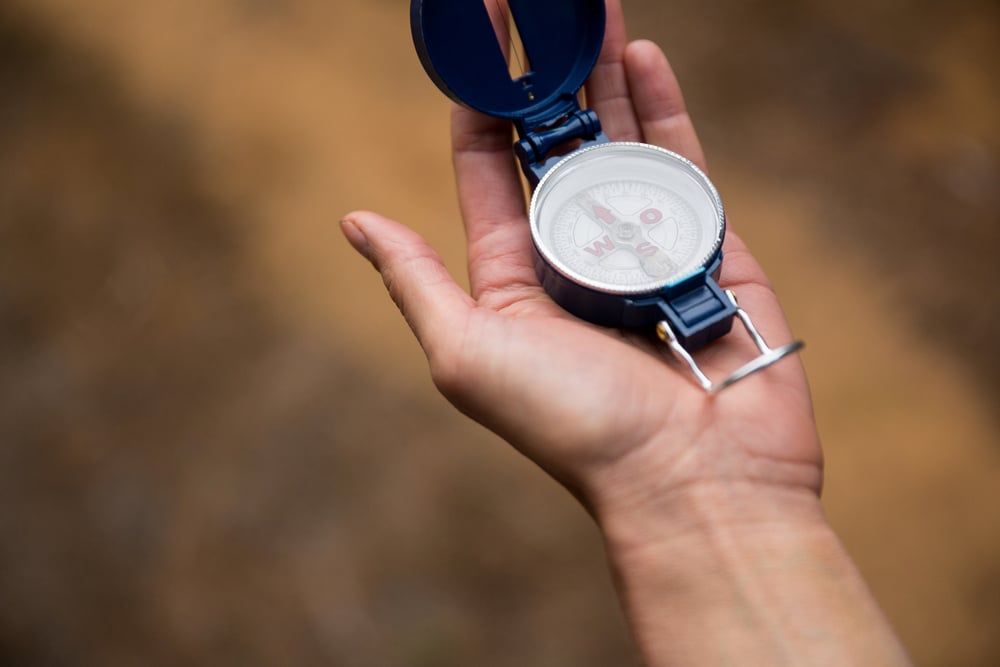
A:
218	444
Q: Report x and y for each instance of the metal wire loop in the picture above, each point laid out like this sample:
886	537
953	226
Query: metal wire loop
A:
768	355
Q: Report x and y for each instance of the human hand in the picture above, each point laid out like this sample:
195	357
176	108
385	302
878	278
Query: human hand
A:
708	504
604	411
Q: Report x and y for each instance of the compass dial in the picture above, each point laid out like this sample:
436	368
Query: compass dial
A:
626	218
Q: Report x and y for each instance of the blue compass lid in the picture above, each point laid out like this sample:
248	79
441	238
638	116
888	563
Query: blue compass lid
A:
461	52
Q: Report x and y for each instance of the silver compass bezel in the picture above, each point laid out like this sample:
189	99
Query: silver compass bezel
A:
555	176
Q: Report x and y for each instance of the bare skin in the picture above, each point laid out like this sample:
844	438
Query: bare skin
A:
709	506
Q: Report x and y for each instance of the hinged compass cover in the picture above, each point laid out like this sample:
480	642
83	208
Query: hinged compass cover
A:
461	52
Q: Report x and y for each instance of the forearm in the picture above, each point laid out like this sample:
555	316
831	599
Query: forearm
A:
727	576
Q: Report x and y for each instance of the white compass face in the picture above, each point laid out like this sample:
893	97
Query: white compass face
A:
626	218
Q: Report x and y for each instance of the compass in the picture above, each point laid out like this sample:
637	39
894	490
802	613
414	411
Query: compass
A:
625	234
627	218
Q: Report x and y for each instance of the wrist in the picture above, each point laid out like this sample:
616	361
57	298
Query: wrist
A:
700	511
735	573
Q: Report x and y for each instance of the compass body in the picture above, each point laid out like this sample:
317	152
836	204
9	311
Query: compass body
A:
627	218
625	234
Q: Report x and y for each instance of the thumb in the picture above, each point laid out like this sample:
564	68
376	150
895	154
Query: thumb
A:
428	297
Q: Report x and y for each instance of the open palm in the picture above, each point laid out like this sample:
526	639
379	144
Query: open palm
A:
602	410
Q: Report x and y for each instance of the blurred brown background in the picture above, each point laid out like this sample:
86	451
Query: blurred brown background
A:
219	444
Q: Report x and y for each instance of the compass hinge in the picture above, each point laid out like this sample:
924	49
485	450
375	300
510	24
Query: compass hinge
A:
533	150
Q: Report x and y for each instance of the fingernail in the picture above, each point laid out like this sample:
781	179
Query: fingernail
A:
356	238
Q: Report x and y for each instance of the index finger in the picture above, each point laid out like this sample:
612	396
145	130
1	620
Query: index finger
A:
491	198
